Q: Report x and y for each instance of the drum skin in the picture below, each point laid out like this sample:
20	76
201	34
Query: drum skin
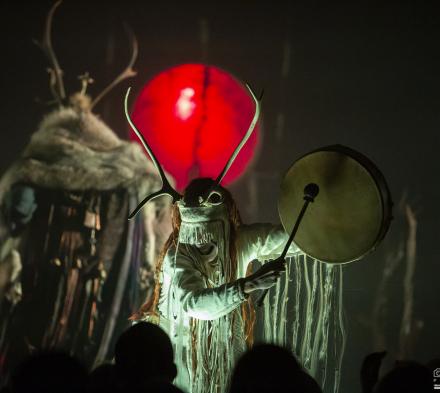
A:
350	215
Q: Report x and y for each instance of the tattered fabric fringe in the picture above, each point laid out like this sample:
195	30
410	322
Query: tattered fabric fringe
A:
195	234
214	355
309	315
213	346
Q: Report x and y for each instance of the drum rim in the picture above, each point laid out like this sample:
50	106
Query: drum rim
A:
380	182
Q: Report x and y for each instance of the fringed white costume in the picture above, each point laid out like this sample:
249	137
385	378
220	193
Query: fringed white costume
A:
202	281
198	307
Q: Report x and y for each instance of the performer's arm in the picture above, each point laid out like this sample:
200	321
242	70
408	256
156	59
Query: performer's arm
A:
263	242
201	302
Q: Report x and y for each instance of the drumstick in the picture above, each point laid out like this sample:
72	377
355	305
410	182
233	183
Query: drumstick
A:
311	190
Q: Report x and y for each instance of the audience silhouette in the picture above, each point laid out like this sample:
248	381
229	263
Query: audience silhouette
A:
144	362
49	372
103	379
405	377
144	356
268	368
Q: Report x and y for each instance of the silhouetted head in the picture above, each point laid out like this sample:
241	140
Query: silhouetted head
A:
269	368
144	352
49	372
408	377
103	379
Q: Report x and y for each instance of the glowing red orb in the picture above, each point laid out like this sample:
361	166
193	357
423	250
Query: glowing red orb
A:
193	116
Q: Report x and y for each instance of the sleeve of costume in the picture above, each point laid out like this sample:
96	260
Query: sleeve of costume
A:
263	242
201	302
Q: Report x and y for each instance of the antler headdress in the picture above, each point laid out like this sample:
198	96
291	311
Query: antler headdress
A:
56	73
167	189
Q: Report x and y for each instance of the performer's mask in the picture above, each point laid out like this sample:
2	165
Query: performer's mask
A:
202	223
202	206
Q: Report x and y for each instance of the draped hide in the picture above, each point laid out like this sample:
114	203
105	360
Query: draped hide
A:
83	267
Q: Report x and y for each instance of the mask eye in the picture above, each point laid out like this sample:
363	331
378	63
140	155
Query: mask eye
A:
215	198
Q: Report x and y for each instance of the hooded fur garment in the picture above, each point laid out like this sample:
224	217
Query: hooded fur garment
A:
77	151
74	151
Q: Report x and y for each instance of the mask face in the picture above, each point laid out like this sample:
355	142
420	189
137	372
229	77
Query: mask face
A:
205	228
203	192
203	225
204	215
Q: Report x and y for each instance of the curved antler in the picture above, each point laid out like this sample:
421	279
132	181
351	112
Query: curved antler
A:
56	73
244	140
203	198
128	72
166	189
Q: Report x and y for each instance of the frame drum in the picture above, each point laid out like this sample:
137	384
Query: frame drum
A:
351	213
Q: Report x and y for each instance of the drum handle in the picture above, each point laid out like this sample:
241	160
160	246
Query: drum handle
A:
311	190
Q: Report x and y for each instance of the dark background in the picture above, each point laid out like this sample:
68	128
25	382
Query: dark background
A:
365	75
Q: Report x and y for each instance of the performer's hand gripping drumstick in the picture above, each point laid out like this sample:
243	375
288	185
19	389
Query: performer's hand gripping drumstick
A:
265	277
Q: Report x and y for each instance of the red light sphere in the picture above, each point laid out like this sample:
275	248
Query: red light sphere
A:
193	116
